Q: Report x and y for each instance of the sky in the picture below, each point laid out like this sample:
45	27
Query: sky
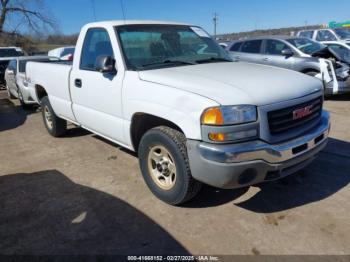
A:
234	15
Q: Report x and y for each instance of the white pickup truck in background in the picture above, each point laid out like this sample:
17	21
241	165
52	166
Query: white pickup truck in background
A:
169	92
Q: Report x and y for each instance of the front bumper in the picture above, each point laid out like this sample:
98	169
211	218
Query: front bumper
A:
238	165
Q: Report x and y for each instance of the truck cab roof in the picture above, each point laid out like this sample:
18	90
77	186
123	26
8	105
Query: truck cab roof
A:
131	22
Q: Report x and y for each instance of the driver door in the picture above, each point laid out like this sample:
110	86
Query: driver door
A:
96	96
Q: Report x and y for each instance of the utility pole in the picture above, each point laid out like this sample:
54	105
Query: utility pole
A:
215	20
93	9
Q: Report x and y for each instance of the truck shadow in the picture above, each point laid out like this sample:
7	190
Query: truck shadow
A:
328	174
45	213
12	116
74	131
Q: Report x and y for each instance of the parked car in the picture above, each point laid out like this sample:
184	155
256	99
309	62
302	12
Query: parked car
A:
298	54
6	54
322	35
16	80
191	117
64	53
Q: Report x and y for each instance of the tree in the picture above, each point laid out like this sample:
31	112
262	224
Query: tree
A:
28	13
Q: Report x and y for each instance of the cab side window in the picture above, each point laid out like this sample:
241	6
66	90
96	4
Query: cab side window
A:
275	47
325	35
97	43
252	47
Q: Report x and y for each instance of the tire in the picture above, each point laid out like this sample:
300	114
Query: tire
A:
312	73
9	94
176	186
54	125
21	100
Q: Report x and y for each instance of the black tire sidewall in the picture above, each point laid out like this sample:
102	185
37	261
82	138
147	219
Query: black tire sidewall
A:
20	98
46	103
312	73
9	94
178	192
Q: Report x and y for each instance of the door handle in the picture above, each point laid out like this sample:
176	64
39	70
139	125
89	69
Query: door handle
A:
265	59
78	83
236	57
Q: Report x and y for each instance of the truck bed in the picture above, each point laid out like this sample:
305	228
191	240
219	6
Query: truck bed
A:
55	79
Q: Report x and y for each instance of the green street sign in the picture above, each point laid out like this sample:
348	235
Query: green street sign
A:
337	25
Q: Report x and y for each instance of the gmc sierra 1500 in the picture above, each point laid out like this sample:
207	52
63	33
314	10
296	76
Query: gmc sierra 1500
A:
169	92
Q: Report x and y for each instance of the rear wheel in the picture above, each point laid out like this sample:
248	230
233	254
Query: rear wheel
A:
21	99
9	94
312	73
54	125
165	166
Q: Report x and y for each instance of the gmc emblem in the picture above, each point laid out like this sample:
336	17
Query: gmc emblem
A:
301	113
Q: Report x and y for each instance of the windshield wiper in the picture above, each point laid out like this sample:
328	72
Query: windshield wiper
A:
213	59
167	62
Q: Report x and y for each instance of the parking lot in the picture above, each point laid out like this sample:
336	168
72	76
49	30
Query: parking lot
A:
83	195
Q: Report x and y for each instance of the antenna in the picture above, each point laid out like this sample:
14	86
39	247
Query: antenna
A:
123	9
215	20
93	9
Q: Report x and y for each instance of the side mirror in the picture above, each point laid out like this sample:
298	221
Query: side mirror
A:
287	52
10	72
105	64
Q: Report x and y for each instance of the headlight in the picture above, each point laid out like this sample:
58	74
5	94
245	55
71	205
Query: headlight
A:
229	115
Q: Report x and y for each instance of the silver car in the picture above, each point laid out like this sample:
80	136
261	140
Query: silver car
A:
298	54
15	78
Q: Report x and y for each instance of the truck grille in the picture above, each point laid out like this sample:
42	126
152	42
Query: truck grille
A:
295	116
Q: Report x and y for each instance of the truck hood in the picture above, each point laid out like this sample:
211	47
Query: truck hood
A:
329	53
236	83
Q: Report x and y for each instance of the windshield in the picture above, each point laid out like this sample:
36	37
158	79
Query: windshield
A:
306	46
343	33
157	46
10	52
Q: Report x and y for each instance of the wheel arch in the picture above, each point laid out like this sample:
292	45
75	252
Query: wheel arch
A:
142	122
310	69
40	92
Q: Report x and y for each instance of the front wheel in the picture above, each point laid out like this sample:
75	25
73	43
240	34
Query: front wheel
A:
165	166
54	125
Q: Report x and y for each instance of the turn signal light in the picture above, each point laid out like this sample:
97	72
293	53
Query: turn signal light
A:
212	116
217	137
234	136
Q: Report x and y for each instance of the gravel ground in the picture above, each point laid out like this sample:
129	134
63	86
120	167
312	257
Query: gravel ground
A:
82	195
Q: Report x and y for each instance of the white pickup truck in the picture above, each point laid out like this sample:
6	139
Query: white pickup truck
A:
169	92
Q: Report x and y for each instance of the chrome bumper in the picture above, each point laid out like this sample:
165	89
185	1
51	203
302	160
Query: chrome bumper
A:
259	150
244	164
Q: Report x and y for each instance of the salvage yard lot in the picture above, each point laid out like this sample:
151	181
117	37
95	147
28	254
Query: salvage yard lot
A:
83	195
